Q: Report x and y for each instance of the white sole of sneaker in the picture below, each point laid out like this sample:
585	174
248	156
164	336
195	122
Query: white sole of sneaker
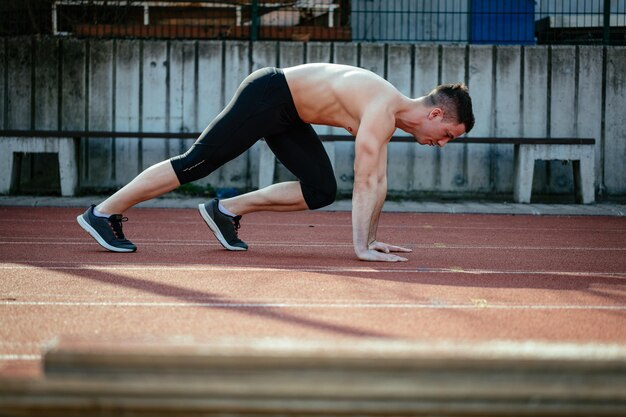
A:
216	231
82	223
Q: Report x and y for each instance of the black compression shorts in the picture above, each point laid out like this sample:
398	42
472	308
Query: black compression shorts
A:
263	108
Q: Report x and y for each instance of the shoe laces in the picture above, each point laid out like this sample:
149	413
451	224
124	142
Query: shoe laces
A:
236	223
116	221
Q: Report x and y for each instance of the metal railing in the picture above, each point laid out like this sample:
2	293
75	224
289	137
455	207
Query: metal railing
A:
458	21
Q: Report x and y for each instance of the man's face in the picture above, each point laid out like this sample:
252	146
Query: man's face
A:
434	131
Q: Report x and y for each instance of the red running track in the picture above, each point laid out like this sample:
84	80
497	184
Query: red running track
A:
469	278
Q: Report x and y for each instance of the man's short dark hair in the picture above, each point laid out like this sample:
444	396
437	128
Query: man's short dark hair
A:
456	103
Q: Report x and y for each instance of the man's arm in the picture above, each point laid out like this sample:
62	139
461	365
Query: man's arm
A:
368	196
373	243
381	194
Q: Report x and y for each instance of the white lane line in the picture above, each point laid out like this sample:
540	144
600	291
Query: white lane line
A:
20	344
314	269
83	242
12	357
306	224
286	305
455	270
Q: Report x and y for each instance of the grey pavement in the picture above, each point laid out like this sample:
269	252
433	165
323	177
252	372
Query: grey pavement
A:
461	206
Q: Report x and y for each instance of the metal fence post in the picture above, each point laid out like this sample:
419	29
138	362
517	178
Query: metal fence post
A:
469	21
254	30
607	22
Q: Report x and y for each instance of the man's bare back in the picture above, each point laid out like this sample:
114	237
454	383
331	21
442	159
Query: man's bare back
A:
338	95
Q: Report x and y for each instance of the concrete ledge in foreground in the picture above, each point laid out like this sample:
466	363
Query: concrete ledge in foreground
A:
323	378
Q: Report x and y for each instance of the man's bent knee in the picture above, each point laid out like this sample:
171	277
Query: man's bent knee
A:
192	165
318	197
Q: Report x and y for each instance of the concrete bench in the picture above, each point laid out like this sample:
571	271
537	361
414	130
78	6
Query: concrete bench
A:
579	151
527	151
64	144
64	147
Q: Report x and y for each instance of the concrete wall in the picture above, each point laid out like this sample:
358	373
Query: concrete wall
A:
133	85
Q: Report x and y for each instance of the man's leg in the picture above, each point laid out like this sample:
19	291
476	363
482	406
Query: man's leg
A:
104	223
249	115
153	182
300	151
284	196
223	216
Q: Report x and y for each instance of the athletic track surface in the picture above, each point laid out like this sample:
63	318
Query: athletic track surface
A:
470	278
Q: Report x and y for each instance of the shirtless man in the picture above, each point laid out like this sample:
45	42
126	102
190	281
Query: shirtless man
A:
280	105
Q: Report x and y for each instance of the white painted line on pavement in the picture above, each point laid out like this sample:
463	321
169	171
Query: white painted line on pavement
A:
15	357
83	242
314	269
287	305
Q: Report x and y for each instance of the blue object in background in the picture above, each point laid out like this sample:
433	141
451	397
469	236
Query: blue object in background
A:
502	22
226	192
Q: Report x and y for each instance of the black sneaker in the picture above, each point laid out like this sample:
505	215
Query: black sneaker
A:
223	227
107	231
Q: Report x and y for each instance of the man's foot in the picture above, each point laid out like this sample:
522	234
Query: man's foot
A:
223	227
107	231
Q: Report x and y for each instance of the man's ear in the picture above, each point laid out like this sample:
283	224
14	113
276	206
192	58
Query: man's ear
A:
436	112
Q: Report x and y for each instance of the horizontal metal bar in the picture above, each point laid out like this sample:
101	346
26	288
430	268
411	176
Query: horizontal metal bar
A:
97	134
483	140
325	138
118	3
